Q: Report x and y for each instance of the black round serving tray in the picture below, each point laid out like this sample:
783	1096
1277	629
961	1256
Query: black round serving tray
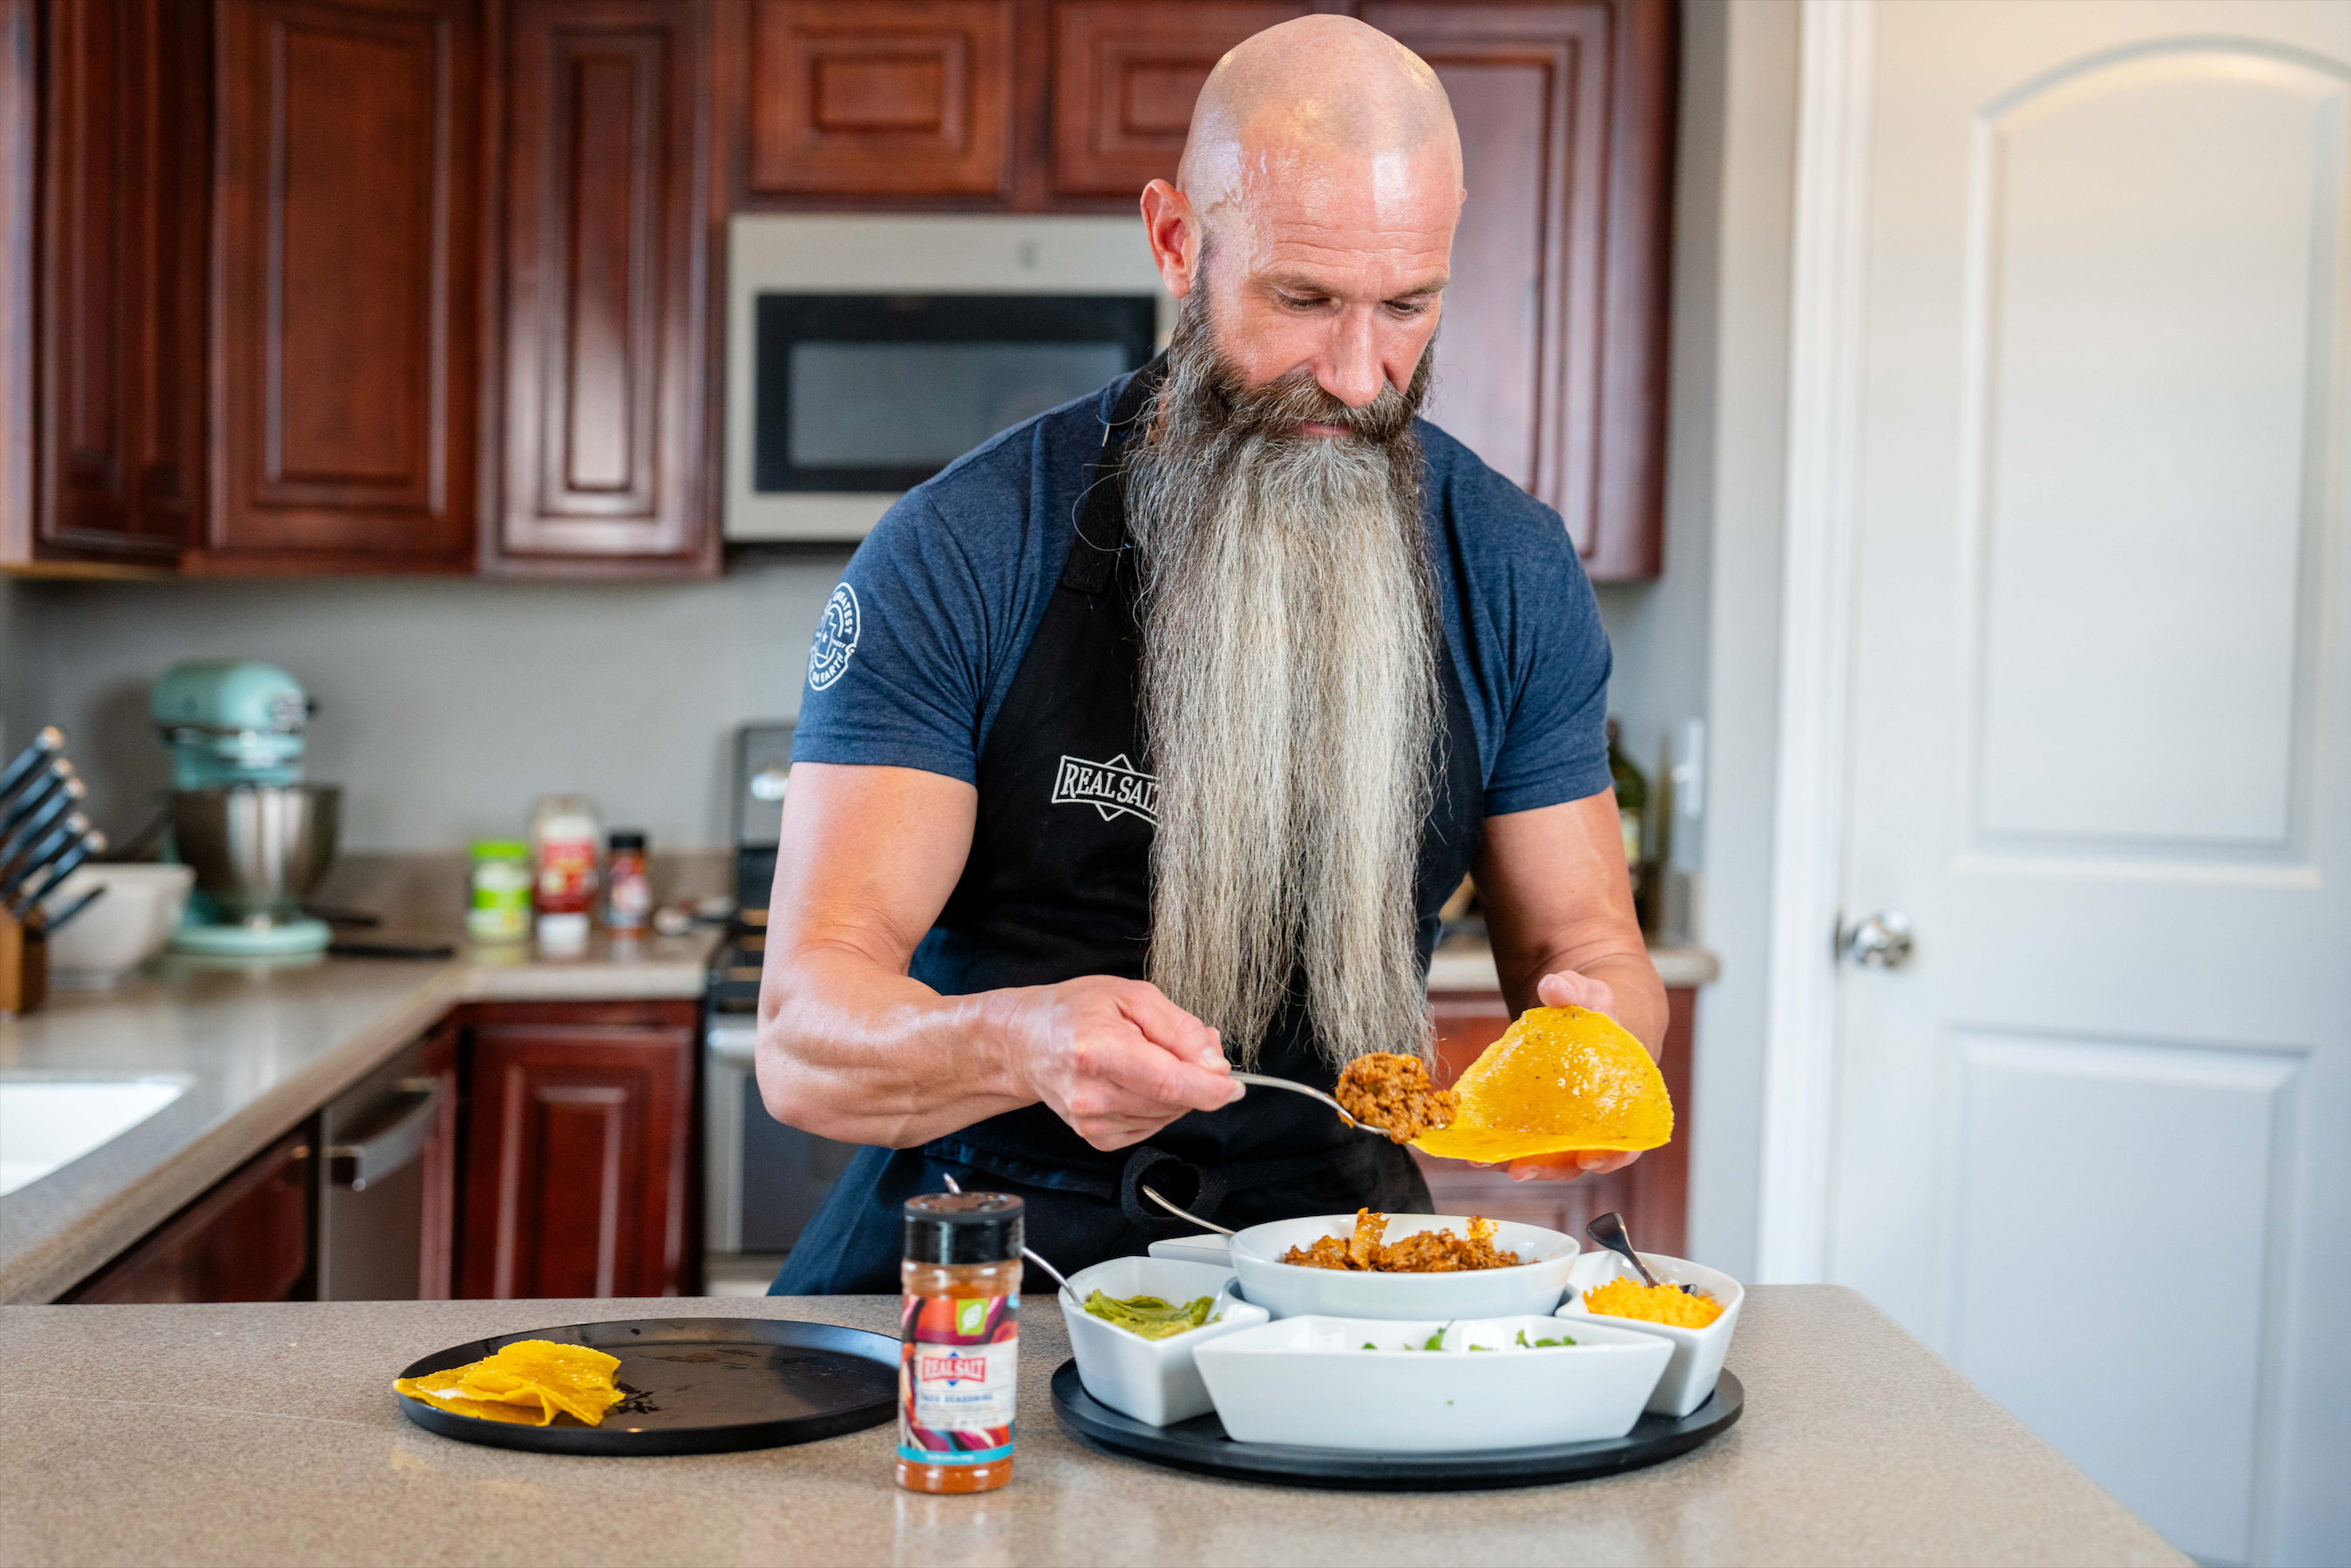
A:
1200	1444
696	1386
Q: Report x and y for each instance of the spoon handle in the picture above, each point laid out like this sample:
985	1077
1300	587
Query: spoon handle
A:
1608	1230
1263	1081
1027	1252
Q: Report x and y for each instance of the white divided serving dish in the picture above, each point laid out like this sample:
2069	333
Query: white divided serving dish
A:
121	931
1689	1377
1309	1381
1208	1248
1293	1289
1153	1380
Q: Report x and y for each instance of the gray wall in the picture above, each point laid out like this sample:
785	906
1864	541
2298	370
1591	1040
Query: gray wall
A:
442	706
1736	480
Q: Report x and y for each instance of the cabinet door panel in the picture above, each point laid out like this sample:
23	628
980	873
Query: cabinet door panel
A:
1550	360
344	365
1124	78
122	279
576	1160
884	97
248	1239
605	285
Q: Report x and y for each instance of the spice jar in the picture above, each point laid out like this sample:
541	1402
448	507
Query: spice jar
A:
498	906
628	891
959	1358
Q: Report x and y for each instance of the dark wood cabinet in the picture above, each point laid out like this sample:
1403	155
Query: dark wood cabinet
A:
19	136
248	1239
882	98
578	1149
1552	356
1651	1193
607	345
121	254
344	284
355	286
1124	78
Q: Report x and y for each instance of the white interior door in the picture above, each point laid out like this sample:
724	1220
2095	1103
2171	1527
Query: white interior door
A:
2093	1139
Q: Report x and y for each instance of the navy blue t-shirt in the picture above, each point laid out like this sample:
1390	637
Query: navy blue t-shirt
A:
921	639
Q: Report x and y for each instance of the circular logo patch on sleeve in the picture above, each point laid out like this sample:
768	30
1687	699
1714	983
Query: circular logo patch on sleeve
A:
836	639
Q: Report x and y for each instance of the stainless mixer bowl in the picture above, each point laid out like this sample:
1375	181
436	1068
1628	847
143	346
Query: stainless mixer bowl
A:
258	850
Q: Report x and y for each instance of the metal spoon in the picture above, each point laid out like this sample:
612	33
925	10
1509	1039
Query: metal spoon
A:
1026	1253
1608	1230
1153	1193
1264	1082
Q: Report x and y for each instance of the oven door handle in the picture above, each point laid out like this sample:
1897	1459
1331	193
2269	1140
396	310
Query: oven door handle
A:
394	1146
735	1043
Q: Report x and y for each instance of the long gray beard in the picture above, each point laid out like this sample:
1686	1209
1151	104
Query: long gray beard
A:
1289	694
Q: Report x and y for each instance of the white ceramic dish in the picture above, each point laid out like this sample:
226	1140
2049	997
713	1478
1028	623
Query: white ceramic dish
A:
1153	1380
1208	1248
122	930
1309	1381
1292	1290
1689	1377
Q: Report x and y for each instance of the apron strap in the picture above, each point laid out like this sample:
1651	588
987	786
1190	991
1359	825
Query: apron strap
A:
1101	516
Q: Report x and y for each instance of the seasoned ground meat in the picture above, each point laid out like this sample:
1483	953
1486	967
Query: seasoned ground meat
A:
1422	1252
1394	1093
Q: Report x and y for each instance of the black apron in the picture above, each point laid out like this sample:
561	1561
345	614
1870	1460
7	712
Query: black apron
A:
1058	886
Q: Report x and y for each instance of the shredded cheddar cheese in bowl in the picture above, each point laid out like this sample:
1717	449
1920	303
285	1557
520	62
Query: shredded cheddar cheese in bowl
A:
1668	1305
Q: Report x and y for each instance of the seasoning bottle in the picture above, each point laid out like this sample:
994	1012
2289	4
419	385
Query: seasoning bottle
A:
959	1358
628	891
498	906
563	843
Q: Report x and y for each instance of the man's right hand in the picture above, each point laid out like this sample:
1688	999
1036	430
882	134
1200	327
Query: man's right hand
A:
1113	1058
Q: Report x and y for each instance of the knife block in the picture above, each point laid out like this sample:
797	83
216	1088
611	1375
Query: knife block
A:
24	965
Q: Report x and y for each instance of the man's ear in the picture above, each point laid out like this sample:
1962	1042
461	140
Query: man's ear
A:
1174	230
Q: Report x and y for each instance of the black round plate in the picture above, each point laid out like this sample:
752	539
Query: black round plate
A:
696	1386
1200	1444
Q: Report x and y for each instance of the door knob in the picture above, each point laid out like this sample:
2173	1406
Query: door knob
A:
1881	942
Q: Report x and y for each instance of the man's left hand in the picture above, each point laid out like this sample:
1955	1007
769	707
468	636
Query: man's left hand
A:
1569	989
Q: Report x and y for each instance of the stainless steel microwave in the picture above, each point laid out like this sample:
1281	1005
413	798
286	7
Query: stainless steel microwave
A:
866	353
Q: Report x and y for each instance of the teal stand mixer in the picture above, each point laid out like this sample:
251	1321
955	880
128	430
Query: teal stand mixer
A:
258	837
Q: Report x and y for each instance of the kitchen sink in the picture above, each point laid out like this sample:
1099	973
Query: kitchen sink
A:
47	1123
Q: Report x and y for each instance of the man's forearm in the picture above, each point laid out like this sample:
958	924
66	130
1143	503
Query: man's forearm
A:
854	1052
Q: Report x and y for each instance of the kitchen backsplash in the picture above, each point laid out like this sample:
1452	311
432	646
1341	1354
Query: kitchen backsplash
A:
442	706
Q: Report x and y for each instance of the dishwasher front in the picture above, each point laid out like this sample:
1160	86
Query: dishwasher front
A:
371	1182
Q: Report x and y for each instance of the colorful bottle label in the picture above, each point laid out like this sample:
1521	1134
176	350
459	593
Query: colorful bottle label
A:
958	1369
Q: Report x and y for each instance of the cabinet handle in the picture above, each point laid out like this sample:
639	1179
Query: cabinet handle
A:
354	1165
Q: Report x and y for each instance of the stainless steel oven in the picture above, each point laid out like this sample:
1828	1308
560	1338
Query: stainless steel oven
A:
866	353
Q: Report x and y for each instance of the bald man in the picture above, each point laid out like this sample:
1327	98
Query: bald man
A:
1172	717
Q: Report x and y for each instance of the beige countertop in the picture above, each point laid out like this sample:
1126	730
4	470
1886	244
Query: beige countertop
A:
269	1435
260	1046
1469	965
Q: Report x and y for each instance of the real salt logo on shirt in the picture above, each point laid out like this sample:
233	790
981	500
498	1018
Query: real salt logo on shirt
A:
836	639
1115	788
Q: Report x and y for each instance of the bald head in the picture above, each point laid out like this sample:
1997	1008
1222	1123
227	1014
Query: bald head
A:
1317	97
1324	172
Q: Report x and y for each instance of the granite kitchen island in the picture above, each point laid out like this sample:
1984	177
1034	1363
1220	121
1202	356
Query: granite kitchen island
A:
269	1434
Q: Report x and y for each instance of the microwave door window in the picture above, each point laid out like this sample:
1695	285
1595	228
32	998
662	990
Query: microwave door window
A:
875	394
923	405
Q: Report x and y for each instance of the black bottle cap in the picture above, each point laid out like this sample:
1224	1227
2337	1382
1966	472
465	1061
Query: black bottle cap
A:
963	1228
625	839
